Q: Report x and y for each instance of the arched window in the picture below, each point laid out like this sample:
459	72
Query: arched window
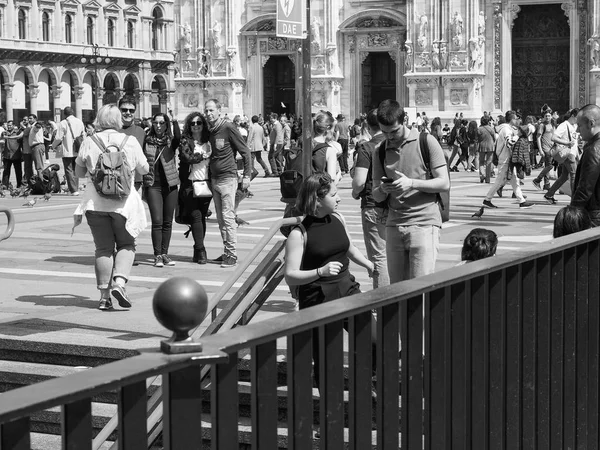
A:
130	34
68	28
45	26
157	23
89	31
111	33
22	24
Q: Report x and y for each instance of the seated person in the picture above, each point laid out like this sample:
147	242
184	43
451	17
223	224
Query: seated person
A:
571	219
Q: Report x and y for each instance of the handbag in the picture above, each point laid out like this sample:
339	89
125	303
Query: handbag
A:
201	188
560	152
76	140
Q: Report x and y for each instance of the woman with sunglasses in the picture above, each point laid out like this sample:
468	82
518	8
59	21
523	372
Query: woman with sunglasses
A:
160	184
194	155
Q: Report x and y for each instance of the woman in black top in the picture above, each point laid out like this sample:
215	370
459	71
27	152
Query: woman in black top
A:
318	252
160	183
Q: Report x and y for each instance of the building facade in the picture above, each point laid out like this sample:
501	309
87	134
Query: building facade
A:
55	54
440	56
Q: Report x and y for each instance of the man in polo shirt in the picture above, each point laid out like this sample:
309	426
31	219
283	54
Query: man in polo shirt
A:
414	219
69	129
27	125
36	143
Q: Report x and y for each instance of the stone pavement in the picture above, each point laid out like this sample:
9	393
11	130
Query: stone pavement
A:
47	282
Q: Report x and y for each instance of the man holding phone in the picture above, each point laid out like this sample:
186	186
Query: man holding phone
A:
410	190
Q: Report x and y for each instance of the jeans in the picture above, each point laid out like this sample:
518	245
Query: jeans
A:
257	156
343	158
501	179
162	201
411	251
223	190
18	172
485	165
373	225
276	158
108	231
27	166
72	180
568	172
37	152
547	159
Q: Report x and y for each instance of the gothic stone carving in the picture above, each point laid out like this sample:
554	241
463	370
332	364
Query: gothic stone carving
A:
252	46
459	97
594	43
423	38
277	43
497	44
457	30
351	44
513	14
424	97
377	40
408	60
263	46
374	23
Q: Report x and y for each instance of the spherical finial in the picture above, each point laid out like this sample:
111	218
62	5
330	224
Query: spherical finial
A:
180	304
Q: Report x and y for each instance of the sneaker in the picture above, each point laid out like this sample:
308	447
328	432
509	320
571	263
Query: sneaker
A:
218	260
515	195
105	304
489	204
229	261
118	292
550	200
167	261
546	187
537	184
158	261
525	205
75	194
499	192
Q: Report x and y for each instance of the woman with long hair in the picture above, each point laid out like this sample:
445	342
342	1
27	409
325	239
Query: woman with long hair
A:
160	183
325	148
194	155
436	129
473	146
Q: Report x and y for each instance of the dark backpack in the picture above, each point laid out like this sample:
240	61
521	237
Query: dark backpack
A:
113	175
443	198
46	182
292	176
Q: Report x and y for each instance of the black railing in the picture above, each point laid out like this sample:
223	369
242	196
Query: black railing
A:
497	354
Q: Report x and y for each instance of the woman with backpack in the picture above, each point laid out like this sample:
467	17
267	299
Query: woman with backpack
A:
160	184
325	148
115	221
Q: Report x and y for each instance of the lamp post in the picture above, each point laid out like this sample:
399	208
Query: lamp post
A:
95	55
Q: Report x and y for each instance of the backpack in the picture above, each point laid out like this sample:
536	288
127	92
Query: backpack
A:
292	177
452	137
443	198
113	175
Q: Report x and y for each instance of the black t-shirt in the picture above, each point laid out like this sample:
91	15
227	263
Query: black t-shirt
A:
326	240
367	153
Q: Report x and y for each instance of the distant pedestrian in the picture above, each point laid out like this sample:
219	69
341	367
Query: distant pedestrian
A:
36	144
276	145
69	129
341	136
256	139
544	134
11	156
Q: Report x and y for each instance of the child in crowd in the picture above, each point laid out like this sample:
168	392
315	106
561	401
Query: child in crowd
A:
480	243
571	219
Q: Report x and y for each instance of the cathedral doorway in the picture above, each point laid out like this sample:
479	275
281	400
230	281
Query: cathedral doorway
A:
279	85
540	59
378	79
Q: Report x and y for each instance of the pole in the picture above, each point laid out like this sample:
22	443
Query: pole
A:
306	99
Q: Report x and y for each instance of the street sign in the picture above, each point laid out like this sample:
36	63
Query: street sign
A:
291	20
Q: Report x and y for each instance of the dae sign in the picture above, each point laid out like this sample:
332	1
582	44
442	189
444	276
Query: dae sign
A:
291	22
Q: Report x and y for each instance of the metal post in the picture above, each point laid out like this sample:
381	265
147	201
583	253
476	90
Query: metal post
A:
306	99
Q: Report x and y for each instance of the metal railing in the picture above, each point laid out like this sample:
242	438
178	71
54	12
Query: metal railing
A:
501	353
10	226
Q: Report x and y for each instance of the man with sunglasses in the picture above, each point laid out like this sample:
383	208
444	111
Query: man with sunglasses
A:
128	106
410	189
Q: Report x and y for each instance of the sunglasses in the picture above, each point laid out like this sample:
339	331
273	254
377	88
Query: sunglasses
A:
196	123
158	123
128	110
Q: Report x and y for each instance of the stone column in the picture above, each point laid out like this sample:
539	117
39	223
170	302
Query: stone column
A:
56	93
497	24
78	91
33	93
8	88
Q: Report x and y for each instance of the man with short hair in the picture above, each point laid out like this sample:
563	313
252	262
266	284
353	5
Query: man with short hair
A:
374	215
27	125
341	136
403	182
276	145
68	130
587	178
545	131
507	136
225	140
36	143
11	155
256	139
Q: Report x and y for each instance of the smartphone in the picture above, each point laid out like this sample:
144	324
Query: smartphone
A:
386	180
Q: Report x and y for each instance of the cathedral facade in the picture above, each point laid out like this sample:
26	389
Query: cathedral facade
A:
439	56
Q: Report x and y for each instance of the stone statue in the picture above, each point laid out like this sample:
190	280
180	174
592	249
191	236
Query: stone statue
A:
332	67
408	61
475	60
594	43
481	24
422	40
231	52
186	37
455	62
443	56
217	29
457	30
315	30
435	56
204	62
